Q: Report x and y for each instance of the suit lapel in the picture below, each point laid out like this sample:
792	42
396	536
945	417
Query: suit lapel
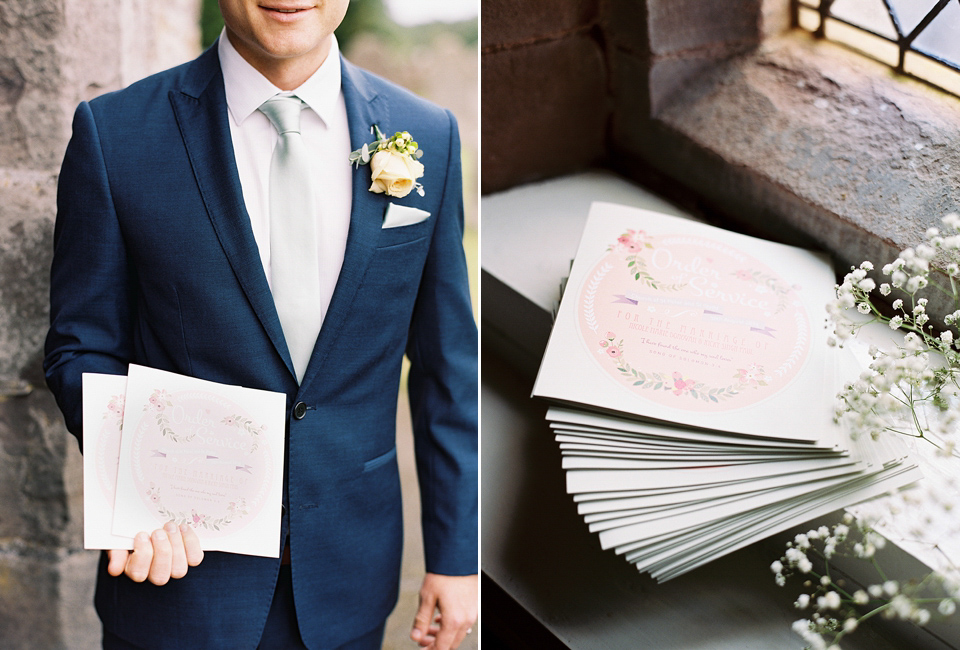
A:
364	109
200	108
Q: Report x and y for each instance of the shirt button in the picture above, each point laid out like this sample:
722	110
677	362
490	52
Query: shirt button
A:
299	410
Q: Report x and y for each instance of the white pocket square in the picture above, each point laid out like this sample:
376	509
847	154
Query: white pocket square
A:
402	215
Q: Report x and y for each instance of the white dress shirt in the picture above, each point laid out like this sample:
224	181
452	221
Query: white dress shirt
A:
323	126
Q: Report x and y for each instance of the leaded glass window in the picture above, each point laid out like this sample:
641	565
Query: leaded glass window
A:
916	37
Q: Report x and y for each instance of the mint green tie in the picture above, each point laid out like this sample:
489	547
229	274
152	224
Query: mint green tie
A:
294	260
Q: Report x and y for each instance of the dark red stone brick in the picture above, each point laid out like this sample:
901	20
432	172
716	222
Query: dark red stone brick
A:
511	22
678	25
544	110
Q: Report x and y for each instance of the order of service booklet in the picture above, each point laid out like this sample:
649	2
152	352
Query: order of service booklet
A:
681	322
693	390
161	446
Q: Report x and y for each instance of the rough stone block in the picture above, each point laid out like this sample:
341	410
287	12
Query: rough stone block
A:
625	25
545	110
26	235
834	128
53	54
775	17
669	77
631	97
507	22
809	143
42	606
678	25
28	586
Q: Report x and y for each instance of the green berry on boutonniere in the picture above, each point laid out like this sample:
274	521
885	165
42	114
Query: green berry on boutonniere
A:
394	163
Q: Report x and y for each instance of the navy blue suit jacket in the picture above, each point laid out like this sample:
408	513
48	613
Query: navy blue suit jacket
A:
155	263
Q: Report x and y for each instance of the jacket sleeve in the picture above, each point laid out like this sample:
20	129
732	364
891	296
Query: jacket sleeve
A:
91	292
442	349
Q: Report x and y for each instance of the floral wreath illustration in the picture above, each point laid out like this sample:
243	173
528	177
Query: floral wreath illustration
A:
753	376
766	282
635	243
235	510
112	428
115	410
158	403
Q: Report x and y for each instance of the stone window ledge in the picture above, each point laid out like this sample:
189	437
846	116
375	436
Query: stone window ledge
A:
800	140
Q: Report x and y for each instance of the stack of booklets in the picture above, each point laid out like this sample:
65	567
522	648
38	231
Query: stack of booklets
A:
162	447
692	391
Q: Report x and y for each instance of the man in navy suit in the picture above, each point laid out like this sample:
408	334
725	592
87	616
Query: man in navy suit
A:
163	258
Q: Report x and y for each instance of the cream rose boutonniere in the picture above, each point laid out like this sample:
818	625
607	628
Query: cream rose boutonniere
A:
394	163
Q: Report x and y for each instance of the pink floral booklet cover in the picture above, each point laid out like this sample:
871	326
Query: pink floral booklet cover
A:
161	446
671	320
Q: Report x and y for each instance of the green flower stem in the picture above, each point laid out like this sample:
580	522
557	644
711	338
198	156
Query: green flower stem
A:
842	633
913	413
876	565
871	614
826	563
939	288
903	433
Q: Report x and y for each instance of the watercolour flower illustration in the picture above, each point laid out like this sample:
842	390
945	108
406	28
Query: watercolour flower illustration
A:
394	163
609	348
752	375
159	400
153	493
681	385
634	240
635	243
115	405
657	381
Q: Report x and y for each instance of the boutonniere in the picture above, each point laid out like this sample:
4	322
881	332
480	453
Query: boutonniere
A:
394	163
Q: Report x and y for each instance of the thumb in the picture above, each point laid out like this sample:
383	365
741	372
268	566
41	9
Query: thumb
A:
116	561
421	622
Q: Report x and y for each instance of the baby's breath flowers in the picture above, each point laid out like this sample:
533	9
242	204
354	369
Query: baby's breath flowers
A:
833	610
913	389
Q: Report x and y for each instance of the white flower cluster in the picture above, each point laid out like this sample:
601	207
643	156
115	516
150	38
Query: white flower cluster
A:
913	389
835	612
922	372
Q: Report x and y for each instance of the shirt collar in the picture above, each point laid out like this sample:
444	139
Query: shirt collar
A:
247	89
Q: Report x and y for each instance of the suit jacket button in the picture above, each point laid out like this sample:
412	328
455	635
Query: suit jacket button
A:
299	410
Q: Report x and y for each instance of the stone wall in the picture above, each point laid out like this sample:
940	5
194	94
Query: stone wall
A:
544	96
53	54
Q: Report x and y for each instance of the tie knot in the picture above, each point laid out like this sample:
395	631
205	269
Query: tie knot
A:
283	112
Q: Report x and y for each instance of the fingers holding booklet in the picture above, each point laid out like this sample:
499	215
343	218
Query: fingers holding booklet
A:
165	554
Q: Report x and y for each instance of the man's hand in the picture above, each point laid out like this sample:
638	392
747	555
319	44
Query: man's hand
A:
165	554
455	597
